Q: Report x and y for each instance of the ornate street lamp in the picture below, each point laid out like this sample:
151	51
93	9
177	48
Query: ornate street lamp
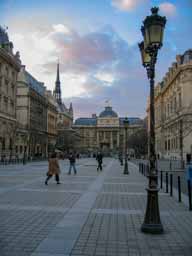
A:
126	125
152	31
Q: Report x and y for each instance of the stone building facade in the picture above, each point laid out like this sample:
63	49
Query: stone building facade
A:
105	132
173	110
32	106
9	68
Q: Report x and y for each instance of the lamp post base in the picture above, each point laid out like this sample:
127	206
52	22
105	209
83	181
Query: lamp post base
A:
152	223
152	228
126	171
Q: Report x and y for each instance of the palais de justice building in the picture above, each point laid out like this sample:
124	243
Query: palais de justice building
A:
104	132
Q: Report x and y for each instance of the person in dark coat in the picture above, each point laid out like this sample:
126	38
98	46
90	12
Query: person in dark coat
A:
99	159
188	158
54	168
72	160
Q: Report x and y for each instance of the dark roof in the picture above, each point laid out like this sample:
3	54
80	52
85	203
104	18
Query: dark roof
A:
93	121
108	112
86	121
187	56
34	84
61	107
132	120
4	39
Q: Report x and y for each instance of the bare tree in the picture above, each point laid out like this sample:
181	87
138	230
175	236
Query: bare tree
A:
183	117
66	140
139	142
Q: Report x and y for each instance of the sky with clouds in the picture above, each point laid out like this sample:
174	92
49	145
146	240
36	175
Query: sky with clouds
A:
96	44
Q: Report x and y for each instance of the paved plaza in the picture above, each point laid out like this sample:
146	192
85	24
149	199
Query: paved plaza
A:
89	213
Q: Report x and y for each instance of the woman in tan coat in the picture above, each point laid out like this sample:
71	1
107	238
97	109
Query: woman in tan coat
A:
54	169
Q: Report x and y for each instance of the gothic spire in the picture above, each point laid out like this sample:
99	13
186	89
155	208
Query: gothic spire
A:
58	77
71	109
57	91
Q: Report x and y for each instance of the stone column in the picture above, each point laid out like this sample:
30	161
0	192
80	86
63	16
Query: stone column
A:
111	140
118	134
104	135
98	139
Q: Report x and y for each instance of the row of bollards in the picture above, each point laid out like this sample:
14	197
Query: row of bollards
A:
144	169
10	161
19	161
169	181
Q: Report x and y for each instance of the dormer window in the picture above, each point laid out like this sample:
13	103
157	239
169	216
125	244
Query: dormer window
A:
187	57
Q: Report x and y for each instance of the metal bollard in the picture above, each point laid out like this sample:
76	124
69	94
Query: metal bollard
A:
189	194
179	188
161	179
167	190
171	184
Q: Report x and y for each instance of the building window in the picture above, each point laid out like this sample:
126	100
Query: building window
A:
10	143
175	104
172	143
16	149
7	71
3	143
168	144
180	103
13	76
21	149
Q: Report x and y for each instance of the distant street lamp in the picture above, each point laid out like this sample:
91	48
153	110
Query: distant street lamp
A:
25	139
126	125
152	31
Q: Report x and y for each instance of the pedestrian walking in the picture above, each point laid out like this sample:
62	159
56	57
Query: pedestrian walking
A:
54	168
99	159
72	160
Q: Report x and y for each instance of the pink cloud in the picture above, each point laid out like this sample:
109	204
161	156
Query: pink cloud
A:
168	9
86	54
127	5
88	50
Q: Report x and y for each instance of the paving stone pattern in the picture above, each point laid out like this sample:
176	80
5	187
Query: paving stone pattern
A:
91	213
113	226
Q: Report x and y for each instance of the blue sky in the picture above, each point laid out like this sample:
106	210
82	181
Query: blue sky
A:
96	43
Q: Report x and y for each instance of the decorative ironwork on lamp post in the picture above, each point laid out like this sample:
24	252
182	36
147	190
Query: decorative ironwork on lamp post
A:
152	31
126	125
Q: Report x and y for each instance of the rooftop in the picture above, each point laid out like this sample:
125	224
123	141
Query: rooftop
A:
108	112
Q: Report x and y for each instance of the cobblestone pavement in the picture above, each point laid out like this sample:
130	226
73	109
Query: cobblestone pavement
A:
88	214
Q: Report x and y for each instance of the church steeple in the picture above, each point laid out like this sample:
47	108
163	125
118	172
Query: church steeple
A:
71	109
58	76
57	91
